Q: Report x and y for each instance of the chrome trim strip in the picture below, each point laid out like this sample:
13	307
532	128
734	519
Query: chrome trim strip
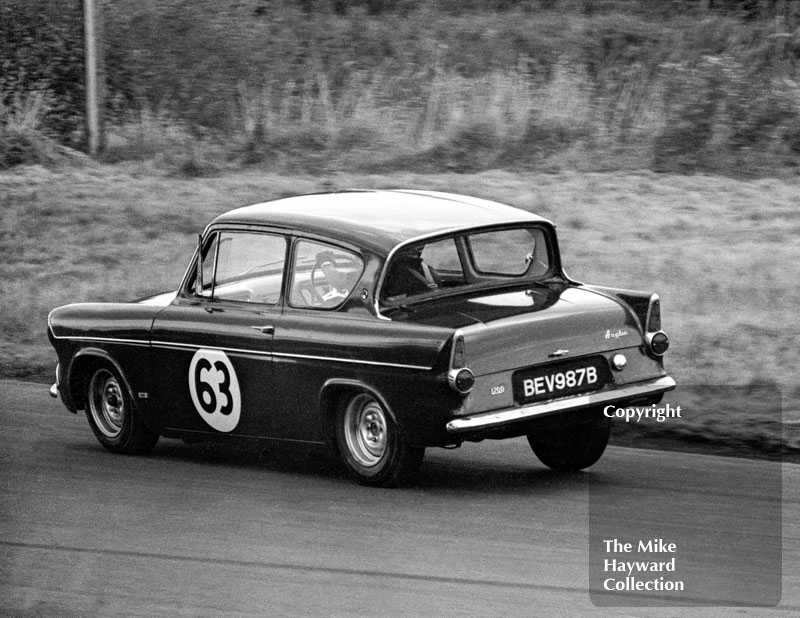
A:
186	346
352	361
495	419
141	342
191	347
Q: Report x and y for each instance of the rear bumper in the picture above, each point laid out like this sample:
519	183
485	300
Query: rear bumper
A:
487	420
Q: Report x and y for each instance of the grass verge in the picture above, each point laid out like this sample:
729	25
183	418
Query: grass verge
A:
720	252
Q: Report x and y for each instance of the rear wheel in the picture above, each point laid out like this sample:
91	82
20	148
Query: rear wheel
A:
572	447
372	448
112	417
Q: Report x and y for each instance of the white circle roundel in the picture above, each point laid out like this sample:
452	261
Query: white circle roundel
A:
215	389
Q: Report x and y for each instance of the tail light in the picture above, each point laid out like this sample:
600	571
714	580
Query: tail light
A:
460	377
657	340
658	343
461	380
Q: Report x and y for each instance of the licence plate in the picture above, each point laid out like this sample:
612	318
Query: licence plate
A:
559	380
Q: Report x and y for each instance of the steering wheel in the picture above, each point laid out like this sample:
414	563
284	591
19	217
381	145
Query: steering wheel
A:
313	291
315	285
310	294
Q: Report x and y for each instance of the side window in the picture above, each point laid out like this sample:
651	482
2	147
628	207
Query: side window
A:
442	256
323	275
423	268
249	267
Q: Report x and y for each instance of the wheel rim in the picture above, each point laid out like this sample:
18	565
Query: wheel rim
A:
106	403
365	430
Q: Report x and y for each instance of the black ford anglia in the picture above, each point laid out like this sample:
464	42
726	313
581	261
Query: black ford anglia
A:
378	322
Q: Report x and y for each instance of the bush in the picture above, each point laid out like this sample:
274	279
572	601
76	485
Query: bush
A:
691	99
22	138
41	51
720	117
455	84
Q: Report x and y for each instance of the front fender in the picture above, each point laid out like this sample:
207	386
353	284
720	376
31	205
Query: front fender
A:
117	333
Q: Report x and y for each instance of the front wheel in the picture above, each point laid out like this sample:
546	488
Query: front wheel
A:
574	446
114	421
372	448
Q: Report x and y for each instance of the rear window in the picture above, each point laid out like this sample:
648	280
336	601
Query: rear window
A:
508	252
473	259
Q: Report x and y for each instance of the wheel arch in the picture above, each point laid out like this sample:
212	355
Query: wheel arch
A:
330	394
79	369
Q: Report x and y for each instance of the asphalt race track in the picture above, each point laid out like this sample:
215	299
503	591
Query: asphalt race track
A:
212	531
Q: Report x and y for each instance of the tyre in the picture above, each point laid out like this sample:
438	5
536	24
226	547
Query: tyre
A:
115	421
370	445
572	447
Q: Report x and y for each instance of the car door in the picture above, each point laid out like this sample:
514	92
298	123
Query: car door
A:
315	340
212	347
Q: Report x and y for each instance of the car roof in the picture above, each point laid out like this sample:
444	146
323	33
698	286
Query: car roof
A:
378	220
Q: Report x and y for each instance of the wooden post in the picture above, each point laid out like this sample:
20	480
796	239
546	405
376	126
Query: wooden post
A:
94	85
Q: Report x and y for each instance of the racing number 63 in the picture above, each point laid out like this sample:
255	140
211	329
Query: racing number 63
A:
215	389
206	392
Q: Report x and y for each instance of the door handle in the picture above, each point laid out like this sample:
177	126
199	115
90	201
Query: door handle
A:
265	330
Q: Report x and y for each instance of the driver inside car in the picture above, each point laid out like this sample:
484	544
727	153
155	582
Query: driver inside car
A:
336	280
409	275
